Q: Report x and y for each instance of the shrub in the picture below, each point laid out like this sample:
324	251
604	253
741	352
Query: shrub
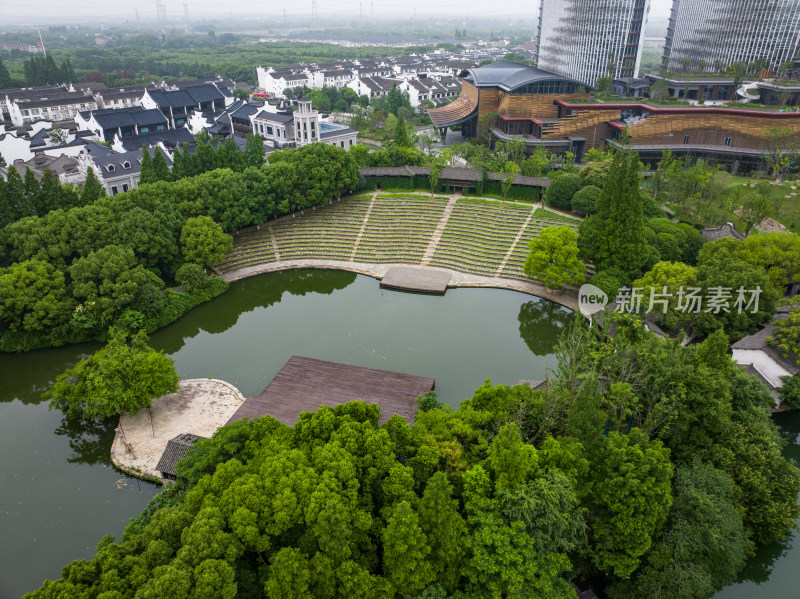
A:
561	191
191	276
585	201
606	281
595	173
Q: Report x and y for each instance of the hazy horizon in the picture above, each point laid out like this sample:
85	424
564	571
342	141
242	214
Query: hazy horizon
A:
49	12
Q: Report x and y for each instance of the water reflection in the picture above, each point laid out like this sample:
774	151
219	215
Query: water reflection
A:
540	322
89	440
259	292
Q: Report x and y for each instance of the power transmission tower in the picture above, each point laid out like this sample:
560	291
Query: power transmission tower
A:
372	9
314	12
360	9
284	16
137	15
161	11
185	11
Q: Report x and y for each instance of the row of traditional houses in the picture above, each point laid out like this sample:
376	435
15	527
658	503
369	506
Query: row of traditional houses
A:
109	134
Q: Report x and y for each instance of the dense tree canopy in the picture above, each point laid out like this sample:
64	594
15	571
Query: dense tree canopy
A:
114	253
646	464
204	241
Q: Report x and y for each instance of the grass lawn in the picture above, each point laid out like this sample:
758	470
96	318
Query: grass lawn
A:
787	209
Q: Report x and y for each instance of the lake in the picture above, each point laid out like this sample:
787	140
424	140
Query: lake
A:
59	493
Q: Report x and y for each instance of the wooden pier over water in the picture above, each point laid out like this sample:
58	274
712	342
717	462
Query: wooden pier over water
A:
305	384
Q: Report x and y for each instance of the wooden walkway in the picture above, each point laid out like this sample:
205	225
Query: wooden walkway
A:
305	384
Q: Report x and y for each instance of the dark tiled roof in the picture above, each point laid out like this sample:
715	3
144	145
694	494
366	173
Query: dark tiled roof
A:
111	118
170	137
758	341
274	117
175	451
124	163
176	98
59	100
204	93
245	111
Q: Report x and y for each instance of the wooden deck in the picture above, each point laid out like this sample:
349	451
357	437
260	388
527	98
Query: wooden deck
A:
419	280
305	384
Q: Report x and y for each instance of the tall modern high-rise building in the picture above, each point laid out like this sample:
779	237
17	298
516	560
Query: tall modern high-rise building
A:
589	39
726	31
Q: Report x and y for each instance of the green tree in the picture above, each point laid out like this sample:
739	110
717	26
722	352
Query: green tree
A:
5	76
241	93
33	297
628	495
510	170
400	137
107	279
92	189
561	190
789	391
786	335
191	276
704	544
161	171
254	150
204	241
621	242
585	200
406	550
123	376
147	173
662	287
553	259
444	529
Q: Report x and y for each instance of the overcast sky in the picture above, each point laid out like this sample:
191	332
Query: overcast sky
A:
50	12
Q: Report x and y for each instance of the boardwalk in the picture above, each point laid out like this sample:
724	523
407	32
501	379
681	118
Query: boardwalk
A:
305	384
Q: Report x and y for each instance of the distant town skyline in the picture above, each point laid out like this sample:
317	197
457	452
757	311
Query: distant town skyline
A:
50	12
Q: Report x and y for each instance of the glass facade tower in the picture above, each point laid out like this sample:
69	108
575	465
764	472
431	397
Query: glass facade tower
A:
721	32
589	39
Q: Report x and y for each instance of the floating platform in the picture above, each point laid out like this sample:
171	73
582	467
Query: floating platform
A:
305	384
418	280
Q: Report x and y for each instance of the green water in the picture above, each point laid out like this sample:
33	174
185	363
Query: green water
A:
59	494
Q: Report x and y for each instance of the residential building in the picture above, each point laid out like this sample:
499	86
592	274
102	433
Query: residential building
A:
35	48
168	139
274	81
336	78
374	87
178	104
544	108
586	40
50	103
760	358
722	32
66	168
123	122
120	97
120	171
300	127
